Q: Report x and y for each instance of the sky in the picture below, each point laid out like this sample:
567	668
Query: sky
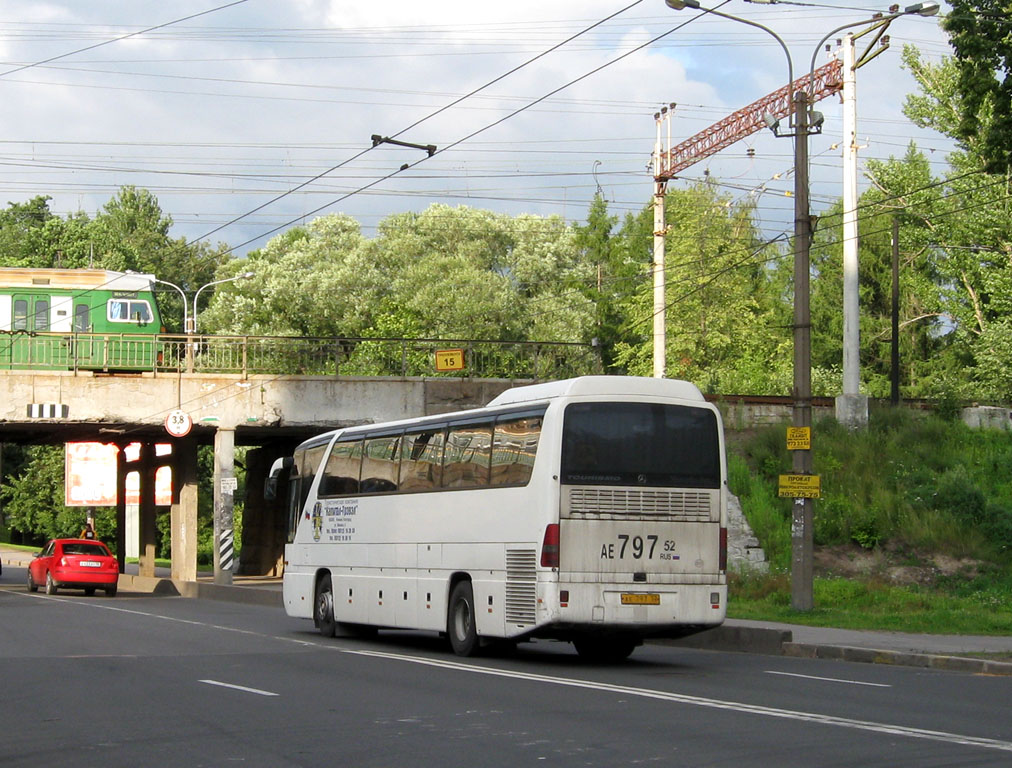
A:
248	119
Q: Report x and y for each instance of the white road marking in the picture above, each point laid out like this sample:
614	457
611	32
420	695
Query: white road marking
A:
242	688
812	717
699	701
828	679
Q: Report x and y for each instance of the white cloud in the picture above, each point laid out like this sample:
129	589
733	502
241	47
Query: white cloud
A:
219	114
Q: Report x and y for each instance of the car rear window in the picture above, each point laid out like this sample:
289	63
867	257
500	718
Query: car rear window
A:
85	549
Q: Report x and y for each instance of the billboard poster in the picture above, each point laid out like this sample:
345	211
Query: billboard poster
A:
90	475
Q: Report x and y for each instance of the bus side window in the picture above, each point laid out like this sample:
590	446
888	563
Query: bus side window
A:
422	460
308	467
467	456
380	458
514	446
340	476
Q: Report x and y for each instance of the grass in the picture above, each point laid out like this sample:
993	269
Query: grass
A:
852	604
908	483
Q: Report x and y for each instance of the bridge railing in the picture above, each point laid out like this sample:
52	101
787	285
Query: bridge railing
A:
283	355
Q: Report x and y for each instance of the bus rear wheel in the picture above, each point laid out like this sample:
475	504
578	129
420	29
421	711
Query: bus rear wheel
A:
323	607
460	625
605	650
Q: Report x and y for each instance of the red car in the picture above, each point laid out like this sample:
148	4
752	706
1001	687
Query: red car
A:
75	563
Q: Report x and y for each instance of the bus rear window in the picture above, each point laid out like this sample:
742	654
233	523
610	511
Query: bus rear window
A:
642	444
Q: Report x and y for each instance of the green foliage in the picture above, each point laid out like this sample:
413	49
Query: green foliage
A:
982	41
849	604
908	480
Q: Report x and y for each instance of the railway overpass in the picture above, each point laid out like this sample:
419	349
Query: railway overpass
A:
271	412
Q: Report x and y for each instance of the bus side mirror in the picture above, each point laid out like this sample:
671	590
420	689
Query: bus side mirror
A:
271	483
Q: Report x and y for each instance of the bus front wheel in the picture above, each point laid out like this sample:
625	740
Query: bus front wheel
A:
323	607
460	621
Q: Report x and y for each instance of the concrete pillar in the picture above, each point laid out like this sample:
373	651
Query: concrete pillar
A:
184	509
146	468
122	469
224	489
264	525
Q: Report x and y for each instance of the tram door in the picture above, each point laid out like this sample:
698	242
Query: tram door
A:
33	317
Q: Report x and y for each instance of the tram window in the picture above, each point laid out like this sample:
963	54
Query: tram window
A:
41	322
21	315
124	311
82	318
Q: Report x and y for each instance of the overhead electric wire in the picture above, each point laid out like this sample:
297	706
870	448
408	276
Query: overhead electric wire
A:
121	37
415	124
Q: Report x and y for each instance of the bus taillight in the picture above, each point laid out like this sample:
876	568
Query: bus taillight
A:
722	561
550	547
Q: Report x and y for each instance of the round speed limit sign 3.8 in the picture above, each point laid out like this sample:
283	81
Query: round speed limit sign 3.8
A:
178	423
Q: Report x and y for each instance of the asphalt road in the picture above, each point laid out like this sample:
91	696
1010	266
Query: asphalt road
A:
156	681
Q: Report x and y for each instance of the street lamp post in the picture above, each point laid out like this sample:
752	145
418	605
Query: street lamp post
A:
224	477
196	296
802	515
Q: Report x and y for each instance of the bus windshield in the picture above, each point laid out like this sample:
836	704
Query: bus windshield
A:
643	444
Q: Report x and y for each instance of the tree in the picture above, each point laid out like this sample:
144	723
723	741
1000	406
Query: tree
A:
982	39
723	326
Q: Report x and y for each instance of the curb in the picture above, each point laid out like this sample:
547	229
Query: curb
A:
200	590
898	658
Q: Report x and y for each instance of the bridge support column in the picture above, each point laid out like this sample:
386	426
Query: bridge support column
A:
121	473
184	510
224	490
148	531
264	524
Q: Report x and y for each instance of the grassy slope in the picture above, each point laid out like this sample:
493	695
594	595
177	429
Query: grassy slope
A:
911	490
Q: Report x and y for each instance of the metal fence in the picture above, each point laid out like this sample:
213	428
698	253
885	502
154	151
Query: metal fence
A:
283	355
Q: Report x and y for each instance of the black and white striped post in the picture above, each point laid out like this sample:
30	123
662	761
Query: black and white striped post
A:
224	489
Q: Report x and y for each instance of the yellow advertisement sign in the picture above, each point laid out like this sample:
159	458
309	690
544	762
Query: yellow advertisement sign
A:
799	438
450	360
800	486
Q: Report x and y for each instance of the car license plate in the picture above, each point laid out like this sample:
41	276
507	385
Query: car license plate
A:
90	564
640	598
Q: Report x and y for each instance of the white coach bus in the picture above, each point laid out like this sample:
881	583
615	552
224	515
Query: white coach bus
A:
592	510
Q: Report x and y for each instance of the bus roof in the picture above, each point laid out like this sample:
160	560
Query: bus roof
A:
600	385
74	279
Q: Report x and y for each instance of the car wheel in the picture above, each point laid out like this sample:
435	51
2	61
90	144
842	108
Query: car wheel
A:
323	607
32	586
110	591
50	584
89	591
460	620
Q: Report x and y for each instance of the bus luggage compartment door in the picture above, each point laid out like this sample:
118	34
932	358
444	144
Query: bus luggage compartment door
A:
638	547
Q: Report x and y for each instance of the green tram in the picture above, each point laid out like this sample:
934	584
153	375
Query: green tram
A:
69	319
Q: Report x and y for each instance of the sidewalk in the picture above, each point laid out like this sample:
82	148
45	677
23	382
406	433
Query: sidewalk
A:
900	648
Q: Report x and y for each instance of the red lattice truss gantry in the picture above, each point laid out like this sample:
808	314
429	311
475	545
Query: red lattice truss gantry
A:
825	80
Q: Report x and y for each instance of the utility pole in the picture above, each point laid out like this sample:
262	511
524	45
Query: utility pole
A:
660	281
802	510
851	406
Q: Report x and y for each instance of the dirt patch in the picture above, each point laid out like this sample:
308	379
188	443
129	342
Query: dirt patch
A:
901	567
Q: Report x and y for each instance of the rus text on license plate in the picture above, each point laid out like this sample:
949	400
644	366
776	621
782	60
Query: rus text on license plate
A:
90	564
640	598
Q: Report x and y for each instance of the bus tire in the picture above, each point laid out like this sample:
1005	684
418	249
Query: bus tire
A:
460	627
323	607
605	650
